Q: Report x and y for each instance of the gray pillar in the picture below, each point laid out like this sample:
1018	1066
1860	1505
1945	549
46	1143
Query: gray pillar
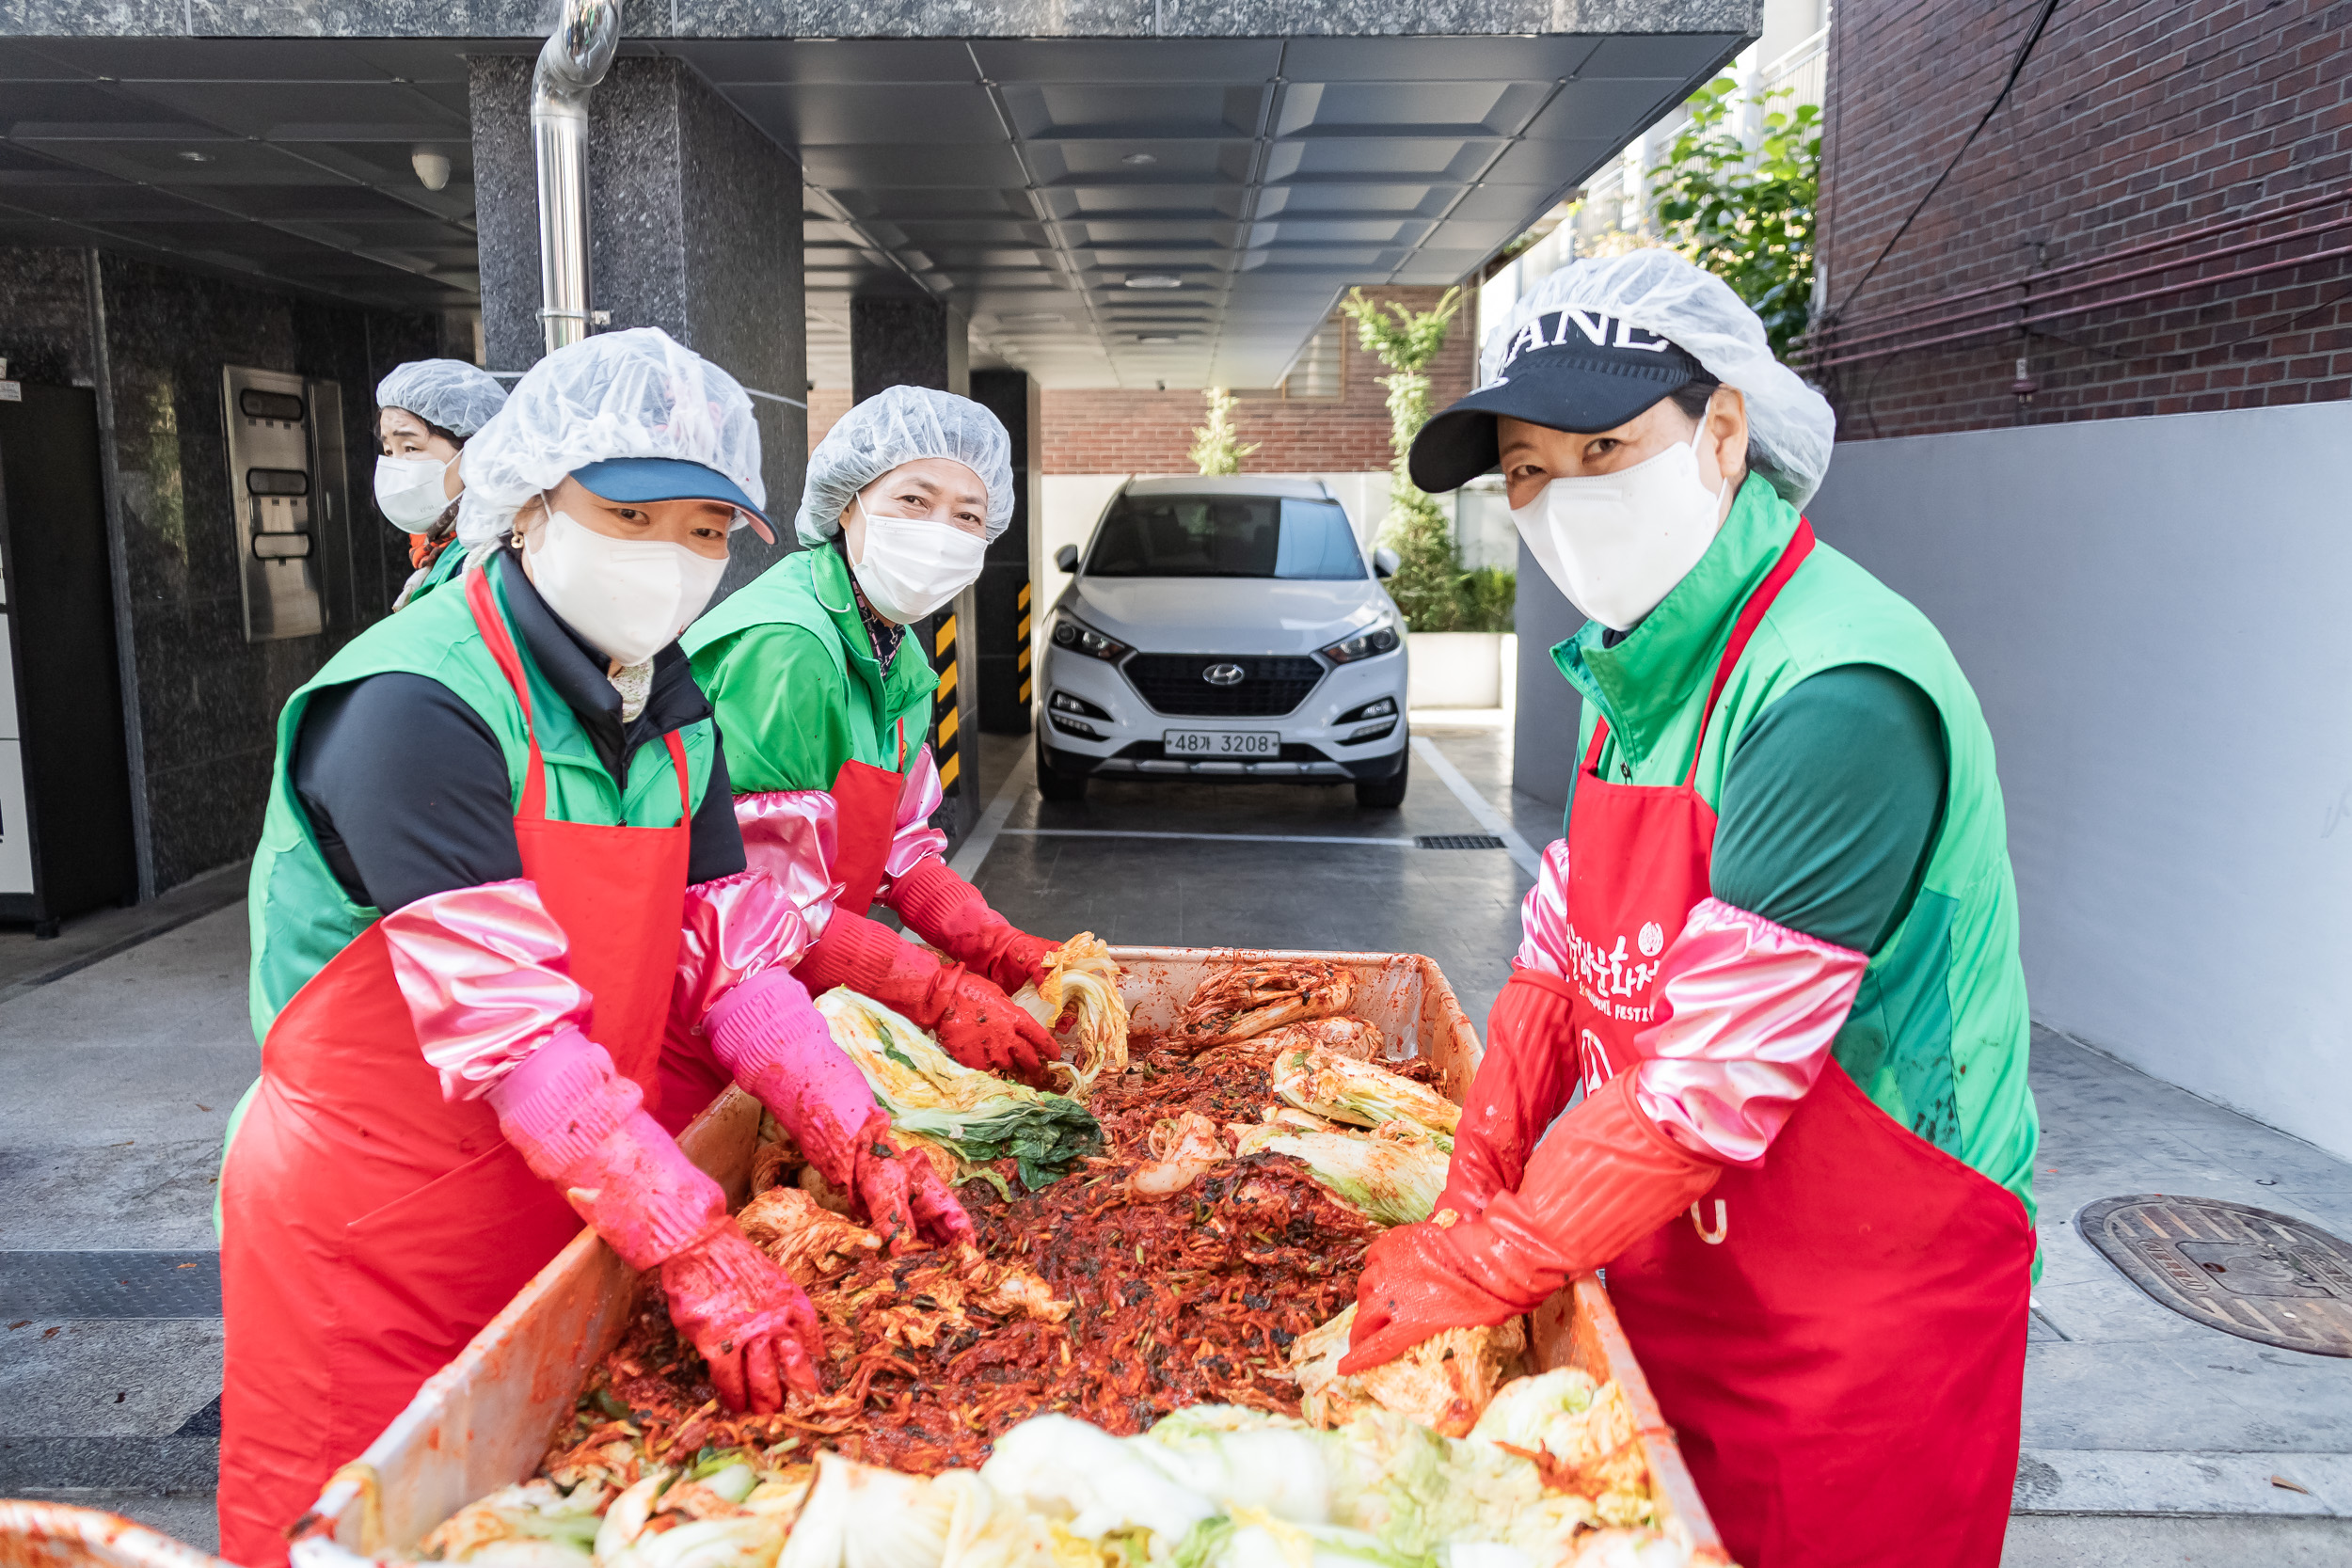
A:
1543	732
693	227
1005	607
898	341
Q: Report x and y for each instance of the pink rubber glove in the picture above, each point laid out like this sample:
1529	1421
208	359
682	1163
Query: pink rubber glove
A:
975	1023
949	914
580	1125
768	1035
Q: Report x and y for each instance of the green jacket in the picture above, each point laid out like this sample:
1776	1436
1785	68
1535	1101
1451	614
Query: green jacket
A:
791	676
300	915
1938	1034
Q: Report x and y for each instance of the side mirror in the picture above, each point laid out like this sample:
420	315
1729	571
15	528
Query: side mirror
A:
1066	558
1385	561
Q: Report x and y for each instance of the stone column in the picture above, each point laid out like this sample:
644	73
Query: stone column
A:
898	341
693	227
1005	609
903	342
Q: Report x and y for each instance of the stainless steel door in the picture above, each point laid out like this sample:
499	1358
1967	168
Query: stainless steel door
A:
275	486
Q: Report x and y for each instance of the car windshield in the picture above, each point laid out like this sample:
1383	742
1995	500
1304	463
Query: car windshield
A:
1224	536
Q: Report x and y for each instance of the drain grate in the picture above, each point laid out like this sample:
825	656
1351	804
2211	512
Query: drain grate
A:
1456	841
45	1286
2245	1271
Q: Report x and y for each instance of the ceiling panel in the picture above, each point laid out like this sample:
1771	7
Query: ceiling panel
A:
1028	183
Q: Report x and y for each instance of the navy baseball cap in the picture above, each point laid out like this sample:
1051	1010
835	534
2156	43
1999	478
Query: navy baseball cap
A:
1565	369
669	479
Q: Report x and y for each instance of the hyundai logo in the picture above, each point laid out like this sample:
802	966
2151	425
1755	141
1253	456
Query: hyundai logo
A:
1223	675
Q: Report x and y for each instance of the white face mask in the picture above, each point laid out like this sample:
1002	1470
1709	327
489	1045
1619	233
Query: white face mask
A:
629	598
408	491
912	566
1616	544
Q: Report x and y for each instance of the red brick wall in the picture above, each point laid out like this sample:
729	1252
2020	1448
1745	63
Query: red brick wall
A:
2134	120
1097	431
826	405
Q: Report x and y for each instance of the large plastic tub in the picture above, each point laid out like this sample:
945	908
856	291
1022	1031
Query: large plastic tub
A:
485	1420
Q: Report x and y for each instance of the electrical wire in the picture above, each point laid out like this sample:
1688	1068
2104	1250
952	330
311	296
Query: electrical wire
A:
2033	36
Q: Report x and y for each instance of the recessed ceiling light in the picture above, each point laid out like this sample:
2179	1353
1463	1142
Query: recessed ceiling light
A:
196	157
1157	337
1138	159
1155	280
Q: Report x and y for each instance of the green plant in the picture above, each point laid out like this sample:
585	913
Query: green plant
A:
1216	447
1427	585
1489	599
1746	214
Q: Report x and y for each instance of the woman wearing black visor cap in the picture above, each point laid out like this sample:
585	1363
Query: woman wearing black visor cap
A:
1776	949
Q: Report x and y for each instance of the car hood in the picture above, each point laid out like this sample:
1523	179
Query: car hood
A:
1226	615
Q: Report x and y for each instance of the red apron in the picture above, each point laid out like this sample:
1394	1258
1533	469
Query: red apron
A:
1838	1335
370	1226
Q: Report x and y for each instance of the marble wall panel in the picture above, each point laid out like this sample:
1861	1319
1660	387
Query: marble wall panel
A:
44	315
204	699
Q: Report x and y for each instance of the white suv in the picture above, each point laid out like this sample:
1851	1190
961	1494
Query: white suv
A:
1224	629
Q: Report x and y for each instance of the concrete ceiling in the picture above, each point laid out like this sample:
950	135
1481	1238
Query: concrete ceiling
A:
1043	187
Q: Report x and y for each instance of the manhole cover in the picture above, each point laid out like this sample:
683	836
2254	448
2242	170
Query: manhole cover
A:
1456	841
2245	1271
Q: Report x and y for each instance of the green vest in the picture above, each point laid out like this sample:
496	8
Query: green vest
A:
447	568
1938	1035
791	677
300	915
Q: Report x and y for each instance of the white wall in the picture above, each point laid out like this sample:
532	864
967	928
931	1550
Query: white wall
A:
2157	617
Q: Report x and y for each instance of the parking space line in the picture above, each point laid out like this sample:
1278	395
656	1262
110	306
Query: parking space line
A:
1233	838
1477	805
991	822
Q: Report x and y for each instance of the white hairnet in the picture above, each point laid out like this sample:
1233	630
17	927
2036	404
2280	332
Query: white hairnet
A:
637	393
896	425
1790	427
447	392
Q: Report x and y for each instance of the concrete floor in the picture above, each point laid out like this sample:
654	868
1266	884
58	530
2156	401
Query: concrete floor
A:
2149	1439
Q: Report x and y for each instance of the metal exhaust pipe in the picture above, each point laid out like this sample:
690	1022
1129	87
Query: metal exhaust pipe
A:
572	62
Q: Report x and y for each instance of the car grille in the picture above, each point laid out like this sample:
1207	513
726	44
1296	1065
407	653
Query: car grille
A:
1271	685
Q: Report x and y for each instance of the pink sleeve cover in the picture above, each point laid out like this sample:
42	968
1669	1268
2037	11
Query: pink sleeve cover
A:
486	975
1751	1011
1544	916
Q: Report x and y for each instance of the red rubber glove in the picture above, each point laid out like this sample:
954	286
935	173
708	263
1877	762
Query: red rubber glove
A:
975	1021
751	1323
1605	1178
949	914
1526	1076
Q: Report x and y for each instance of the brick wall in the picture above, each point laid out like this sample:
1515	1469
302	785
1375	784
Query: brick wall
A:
1099	430
2134	121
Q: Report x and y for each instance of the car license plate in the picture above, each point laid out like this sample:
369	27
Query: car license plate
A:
1222	743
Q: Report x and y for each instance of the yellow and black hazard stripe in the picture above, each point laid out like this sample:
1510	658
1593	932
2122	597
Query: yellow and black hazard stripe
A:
947	715
1020	654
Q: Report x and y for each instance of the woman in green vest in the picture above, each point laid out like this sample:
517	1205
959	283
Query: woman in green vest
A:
500	868
1776	951
426	412
826	701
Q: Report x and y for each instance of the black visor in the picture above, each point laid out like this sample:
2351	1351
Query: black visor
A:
1565	369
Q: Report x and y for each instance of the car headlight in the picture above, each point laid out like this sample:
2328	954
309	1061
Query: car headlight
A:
1378	639
1072	633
